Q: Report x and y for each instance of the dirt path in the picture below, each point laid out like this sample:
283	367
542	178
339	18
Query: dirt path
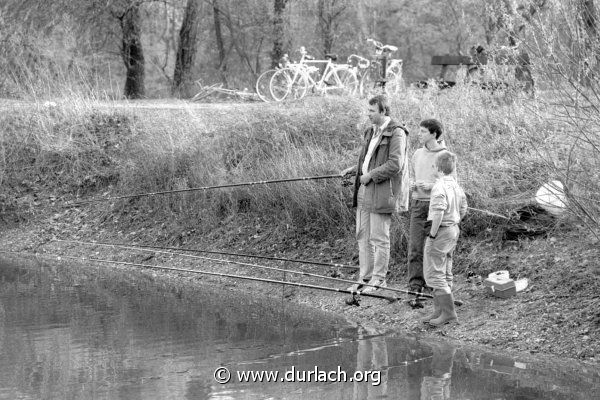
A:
158	104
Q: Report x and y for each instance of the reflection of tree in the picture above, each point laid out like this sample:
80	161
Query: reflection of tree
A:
372	355
437	385
2	318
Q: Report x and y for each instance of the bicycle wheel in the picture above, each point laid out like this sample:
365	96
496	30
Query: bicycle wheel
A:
369	83
393	83
340	82
288	83
262	85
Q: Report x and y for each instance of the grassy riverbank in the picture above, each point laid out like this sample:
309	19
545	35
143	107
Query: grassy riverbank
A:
78	149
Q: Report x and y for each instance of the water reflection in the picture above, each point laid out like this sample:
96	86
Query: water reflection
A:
436	383
95	335
91	333
372	355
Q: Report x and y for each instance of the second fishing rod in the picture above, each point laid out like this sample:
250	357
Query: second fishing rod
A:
289	271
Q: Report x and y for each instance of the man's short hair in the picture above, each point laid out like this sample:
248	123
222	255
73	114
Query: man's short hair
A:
433	126
382	104
446	162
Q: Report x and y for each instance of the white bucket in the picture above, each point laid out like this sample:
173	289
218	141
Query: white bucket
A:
521	284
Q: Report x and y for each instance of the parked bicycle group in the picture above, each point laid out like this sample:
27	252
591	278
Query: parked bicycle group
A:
366	76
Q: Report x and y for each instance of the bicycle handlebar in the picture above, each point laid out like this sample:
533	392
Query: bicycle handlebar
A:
361	62
382	47
304	54
376	43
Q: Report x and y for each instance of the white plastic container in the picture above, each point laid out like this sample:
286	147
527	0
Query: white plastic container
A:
499	276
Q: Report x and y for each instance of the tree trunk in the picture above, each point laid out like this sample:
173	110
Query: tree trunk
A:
363	25
325	22
186	50
220	43
278	32
132	52
329	13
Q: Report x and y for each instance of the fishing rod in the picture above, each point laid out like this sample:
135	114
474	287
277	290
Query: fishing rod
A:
220	274
333	265
229	185
263	267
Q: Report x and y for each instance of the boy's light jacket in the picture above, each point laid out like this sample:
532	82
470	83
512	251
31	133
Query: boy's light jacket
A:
389	189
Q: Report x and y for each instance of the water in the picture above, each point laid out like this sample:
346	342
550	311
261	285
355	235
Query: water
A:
72	333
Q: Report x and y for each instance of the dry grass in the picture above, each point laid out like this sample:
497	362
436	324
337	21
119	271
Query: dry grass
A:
81	147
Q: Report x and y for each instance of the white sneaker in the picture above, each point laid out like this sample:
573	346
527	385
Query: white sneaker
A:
369	289
357	287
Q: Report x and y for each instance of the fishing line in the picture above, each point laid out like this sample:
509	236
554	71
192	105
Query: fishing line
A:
332	265
229	185
295	272
220	274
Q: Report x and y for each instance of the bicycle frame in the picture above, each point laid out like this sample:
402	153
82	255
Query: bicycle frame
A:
384	72
330	67
302	78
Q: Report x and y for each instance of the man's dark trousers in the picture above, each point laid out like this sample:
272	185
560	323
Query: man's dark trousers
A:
418	231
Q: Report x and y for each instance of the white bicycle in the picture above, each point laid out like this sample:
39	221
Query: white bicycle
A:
372	75
294	81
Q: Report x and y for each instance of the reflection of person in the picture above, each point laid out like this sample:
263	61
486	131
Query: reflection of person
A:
2	322
437	386
381	184
372	355
423	177
447	208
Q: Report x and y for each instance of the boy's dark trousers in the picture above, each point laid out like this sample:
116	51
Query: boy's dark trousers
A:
418	231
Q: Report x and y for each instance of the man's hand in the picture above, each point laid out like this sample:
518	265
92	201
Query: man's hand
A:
348	172
365	179
424	185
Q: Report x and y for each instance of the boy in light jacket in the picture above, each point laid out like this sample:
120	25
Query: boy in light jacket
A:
447	208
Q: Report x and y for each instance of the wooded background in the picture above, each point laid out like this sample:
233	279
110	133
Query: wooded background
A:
151	48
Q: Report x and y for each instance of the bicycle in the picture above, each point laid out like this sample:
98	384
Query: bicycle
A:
380	74
295	79
263	81
262	85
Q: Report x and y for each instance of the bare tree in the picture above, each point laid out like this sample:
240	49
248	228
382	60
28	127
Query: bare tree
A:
220	43
509	18
329	13
132	51
278	31
187	48
458	17
362	20
118	22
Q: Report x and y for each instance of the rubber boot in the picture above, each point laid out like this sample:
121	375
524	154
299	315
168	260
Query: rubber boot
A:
446	303
435	313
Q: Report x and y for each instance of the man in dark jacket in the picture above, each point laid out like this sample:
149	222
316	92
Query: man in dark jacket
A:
381	188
